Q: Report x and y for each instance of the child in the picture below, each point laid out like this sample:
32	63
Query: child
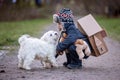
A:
64	18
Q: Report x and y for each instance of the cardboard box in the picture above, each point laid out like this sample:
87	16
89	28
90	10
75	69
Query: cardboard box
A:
88	26
98	45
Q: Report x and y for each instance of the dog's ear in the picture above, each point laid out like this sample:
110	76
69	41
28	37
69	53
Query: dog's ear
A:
44	38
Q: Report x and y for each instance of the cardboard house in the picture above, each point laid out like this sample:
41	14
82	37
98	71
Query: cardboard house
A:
89	26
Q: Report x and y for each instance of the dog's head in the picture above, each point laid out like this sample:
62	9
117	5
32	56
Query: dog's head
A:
50	37
23	38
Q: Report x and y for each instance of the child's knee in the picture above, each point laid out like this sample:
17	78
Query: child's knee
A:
72	48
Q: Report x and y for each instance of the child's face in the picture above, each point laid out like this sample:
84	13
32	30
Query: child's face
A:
60	27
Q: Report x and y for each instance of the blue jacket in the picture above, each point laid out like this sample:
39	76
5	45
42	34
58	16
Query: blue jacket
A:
72	35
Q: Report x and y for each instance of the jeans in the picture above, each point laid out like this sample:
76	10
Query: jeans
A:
72	56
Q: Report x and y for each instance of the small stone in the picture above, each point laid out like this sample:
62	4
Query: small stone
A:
23	77
2	71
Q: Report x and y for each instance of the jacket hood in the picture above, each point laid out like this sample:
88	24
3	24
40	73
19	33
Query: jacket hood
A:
68	26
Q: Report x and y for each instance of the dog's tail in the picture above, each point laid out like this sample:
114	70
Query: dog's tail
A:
23	38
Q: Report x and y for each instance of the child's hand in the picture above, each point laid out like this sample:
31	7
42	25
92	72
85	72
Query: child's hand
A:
60	27
59	52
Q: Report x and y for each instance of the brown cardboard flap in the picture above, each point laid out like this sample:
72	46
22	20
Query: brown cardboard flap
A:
81	29
98	45
88	25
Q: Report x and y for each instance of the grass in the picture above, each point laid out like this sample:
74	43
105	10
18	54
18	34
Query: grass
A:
111	25
11	31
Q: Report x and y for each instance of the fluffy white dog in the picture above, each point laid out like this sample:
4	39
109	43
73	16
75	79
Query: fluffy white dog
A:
43	49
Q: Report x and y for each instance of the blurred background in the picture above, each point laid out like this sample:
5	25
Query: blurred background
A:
31	9
19	17
34	17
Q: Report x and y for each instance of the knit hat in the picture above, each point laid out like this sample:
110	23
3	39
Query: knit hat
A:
65	15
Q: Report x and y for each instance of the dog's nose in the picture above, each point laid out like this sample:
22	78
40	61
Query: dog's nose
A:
56	34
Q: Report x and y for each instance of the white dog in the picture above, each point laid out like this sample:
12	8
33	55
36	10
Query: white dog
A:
43	49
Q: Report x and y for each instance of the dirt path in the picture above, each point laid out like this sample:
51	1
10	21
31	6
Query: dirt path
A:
105	67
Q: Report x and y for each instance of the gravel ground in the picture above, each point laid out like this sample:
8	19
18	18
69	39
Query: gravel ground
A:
104	67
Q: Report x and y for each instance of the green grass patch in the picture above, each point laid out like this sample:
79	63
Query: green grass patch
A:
112	26
11	31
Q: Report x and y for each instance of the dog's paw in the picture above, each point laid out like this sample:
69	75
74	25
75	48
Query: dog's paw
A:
27	68
48	67
56	66
20	66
